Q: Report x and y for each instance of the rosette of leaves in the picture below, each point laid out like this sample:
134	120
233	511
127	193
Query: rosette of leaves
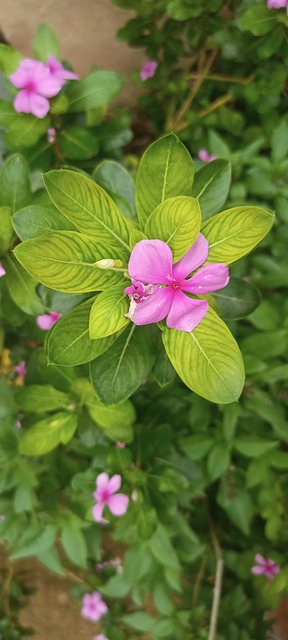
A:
93	258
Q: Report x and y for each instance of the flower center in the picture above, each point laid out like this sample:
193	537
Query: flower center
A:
30	87
173	284
105	495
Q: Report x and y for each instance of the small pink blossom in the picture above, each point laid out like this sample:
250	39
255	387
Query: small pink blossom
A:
46	321
148	70
93	607
51	134
21	369
100	637
205	156
120	445
36	84
105	494
276	4
264	566
2	271
151	261
59	72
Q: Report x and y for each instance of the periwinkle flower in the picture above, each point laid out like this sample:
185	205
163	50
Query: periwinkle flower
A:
266	567
46	321
93	607
148	70
51	134
59	72
20	368
205	156
2	271
276	4
151	261
105	494
100	637
36	85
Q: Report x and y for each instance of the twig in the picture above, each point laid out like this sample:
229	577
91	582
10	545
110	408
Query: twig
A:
199	577
231	79
215	105
217	586
6	589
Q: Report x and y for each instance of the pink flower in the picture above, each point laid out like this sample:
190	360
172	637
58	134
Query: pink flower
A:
21	369
59	72
99	637
148	70
276	4
120	445
268	567
93	606
36	84
152	261
2	271
105	494
51	134
205	156
46	321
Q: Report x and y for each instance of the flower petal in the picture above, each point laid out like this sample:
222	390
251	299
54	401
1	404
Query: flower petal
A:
258	570
97	512
39	106
45	322
186	313
114	483
118	504
260	559
151	262
19	78
207	279
48	85
22	102
102	481
193	258
155	308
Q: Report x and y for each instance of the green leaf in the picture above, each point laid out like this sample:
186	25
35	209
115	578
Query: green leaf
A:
121	369
177	222
45	43
115	419
234	232
15	189
25	131
77	143
36	220
98	88
253	447
74	545
51	560
196	446
218	460
35	539
279	141
208	359
107	313
6	229
87	206
211	186
65	261
139	620
162	549
22	287
9	59
116	180
237	300
258	19
69	341
166	170
163	370
46	434
162	601
40	398
164	628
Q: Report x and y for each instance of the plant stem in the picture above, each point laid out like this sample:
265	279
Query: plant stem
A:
215	105
199	577
217	585
6	589
219	78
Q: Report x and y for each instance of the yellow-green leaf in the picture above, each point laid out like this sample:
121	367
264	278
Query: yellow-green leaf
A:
208	359
46	434
177	222
107	314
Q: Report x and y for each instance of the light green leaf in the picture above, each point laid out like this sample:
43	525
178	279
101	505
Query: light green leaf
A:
9	59
211	186
115	419
218	460
65	261
139	620
74	545
69	341
121	369
78	144
22	287
208	359
15	189
233	233
177	222
258	19
36	220
6	229
34	540
253	447
95	90
45	43
25	131
162	549
166	170
237	300
87	206
107	313
40	398
116	180
46	434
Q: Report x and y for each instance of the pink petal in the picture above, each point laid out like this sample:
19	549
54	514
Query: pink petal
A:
258	570
118	504
48	85
19	78
22	102
2	271
55	316
97	512
69	75
155	308
39	106
193	258
114	483
260	559
102	481
54	65
45	322
151	262
207	279
186	313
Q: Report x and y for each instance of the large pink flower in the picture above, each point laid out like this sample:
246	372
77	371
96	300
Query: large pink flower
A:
105	494
59	72
36	84
158	287
266	567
